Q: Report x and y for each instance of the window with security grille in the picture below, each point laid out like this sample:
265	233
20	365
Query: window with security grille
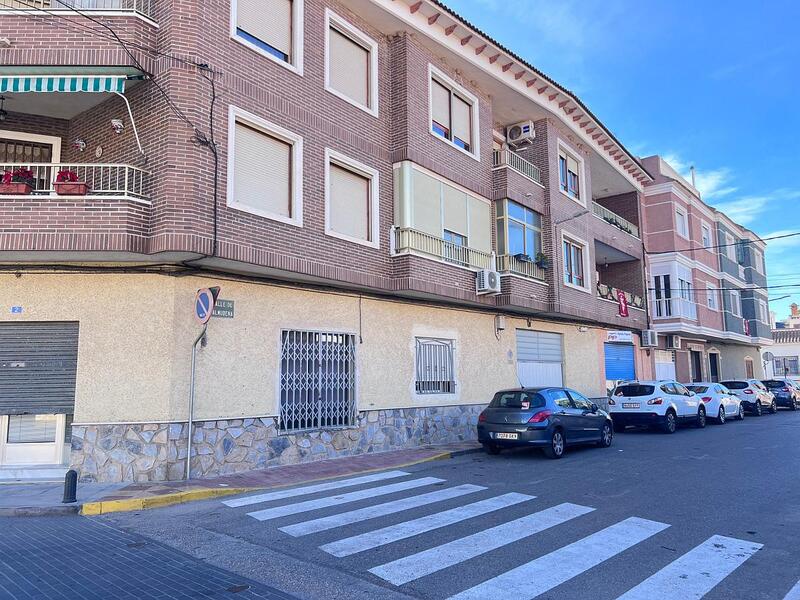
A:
318	380
434	361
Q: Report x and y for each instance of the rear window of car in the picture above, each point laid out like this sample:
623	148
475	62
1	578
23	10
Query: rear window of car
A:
636	389
520	400
774	383
698	389
735	385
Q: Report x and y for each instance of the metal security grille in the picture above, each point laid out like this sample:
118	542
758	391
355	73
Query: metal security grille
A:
318	380
435	373
38	365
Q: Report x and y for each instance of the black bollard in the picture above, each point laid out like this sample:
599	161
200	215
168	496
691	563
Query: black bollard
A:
70	487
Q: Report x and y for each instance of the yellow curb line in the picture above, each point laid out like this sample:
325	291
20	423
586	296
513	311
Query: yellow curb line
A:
103	507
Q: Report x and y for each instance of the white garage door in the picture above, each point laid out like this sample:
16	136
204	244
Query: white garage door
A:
665	364
539	358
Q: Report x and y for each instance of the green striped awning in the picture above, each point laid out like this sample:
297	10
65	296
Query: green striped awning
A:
62	83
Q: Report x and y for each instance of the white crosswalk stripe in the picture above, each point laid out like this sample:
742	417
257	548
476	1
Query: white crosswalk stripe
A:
435	559
794	593
312	489
309	505
543	574
401	531
378	510
695	573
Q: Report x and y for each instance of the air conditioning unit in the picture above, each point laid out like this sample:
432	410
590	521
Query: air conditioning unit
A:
649	338
674	342
487	282
520	132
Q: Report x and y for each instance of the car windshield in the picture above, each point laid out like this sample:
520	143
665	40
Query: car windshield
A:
774	383
634	389
698	389
520	400
735	385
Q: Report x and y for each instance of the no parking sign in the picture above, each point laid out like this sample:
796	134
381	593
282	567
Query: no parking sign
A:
204	303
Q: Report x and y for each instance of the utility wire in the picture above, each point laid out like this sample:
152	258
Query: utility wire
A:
739	243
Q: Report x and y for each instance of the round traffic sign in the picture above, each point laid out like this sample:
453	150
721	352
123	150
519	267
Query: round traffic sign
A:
769	356
203	305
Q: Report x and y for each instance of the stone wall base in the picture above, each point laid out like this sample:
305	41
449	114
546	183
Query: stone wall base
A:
157	452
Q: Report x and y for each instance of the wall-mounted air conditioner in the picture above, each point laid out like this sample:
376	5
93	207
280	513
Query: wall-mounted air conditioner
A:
649	338
674	342
487	282
519	133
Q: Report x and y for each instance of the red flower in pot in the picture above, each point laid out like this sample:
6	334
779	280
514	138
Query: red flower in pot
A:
20	181
68	184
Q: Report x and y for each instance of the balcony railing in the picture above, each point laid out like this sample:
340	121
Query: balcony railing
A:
104	180
611	293
507	158
412	240
613	218
674	308
144	7
507	263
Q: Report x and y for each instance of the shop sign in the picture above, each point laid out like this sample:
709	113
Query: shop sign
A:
619	337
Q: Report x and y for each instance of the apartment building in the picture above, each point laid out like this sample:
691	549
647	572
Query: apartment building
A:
402	217
707	284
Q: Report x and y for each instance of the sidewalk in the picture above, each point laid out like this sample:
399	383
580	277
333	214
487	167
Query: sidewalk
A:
35	499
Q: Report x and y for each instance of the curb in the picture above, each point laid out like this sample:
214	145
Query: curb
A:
60	510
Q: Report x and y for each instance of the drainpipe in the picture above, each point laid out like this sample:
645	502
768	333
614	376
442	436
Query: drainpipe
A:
191	402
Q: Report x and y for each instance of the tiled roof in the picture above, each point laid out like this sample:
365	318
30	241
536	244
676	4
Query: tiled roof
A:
786	336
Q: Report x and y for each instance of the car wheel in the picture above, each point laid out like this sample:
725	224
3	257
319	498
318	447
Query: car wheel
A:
670	424
773	408
740	414
492	449
606	436
700	423
757	410
557	445
793	405
721	415
619	428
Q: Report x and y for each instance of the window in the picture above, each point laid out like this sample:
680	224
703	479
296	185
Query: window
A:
264	168
680	389
763	311
711	298
317	380
681	223
730	246
351	200
663	295
758	260
574	267
707	240
519	230
31	429
273	28
569	174
736	303
786	366
580	401
453	113
454	247
748	368
560	398
524	400
434	366
351	64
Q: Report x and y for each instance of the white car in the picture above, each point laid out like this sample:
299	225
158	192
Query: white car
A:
719	401
754	396
664	403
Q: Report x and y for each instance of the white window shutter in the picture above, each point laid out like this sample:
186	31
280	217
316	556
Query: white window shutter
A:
268	20
349	64
572	165
462	120
440	97
427	204
262	171
349	210
455	210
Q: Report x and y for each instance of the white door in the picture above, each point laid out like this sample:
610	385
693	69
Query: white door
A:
32	439
540	358
665	364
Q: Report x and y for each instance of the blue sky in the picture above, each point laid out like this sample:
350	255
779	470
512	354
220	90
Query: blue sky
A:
714	84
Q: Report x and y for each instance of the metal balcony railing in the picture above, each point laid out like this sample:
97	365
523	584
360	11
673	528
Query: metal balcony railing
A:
407	240
507	158
143	7
111	181
507	263
611	217
608	292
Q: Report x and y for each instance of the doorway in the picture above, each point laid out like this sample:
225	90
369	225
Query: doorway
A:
696	360
713	364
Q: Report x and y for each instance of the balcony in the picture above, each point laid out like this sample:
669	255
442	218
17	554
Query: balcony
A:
607	292
507	263
614	219
142	7
405	240
108	181
674	308
512	160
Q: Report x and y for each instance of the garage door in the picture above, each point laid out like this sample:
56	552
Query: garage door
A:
665	364
619	362
539	358
38	364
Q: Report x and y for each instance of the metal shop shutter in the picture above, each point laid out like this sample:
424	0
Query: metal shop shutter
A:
38	364
539	358
620	362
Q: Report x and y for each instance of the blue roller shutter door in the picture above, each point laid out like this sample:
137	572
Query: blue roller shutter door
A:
620	363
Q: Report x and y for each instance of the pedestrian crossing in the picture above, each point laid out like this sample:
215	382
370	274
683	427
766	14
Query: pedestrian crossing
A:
691	575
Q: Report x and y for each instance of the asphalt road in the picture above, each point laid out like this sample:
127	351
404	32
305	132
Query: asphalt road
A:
639	518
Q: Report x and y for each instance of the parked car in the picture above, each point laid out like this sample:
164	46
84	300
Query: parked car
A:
664	403
549	418
719	401
786	392
753	395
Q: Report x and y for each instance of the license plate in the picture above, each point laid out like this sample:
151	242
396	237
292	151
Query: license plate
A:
506	436
630	405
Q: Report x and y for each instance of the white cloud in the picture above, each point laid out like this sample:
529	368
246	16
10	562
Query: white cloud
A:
744	210
715	183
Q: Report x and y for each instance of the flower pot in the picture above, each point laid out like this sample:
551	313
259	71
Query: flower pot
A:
15	189
71	188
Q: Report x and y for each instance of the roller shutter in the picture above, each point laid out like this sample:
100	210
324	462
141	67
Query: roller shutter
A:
620	363
38	364
539	358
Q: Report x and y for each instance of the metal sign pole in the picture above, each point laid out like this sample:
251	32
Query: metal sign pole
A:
191	403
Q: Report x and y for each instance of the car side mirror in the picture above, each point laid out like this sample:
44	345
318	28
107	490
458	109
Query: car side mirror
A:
692	394
595	408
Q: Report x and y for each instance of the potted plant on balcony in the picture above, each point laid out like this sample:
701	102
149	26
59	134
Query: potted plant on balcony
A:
67	184
18	182
542	261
